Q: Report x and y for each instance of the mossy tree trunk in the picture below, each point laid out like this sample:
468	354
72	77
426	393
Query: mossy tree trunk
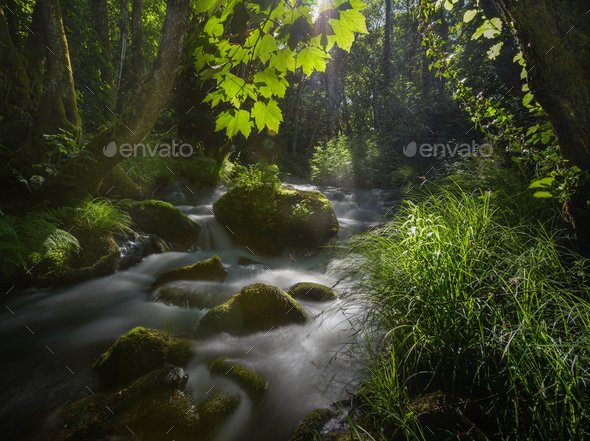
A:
15	109
555	38
58	108
100	24
137	55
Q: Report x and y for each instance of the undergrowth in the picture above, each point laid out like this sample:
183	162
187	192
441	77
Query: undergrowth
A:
476	297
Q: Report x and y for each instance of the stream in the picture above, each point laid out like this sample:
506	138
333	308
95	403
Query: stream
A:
51	337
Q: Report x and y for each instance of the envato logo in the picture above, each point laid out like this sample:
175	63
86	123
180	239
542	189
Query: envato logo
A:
448	150
163	150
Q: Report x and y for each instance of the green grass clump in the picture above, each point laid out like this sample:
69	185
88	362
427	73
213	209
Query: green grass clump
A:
100	217
476	297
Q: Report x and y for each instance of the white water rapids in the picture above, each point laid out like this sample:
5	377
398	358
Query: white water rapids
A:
51	337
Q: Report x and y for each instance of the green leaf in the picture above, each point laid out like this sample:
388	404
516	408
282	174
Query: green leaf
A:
343	35
542	195
272	83
267	115
234	121
494	51
355	21
214	27
542	183
283	60
204	5
265	48
488	29
469	15
312	58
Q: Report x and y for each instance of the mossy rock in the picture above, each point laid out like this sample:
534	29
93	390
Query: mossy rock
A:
184	298
99	256
255	307
250	380
150	406
311	426
162	219
215	409
138	352
312	291
211	269
273	220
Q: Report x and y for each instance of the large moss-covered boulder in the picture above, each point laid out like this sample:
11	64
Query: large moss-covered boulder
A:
162	219
150	405
312	291
211	269
138	352
255	307
250	380
271	220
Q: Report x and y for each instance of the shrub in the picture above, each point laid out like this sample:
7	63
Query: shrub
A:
332	164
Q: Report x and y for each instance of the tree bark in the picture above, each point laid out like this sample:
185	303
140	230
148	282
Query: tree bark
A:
555	38
137	55
141	115
100	23
58	108
15	117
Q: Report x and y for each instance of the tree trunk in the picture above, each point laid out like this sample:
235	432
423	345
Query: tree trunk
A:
555	38
58	108
123	50
15	117
142	113
100	23
137	55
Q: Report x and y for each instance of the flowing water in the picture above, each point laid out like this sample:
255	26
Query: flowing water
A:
51	337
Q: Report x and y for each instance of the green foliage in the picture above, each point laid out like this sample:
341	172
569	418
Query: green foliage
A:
331	164
249	47
99	217
475	294
34	239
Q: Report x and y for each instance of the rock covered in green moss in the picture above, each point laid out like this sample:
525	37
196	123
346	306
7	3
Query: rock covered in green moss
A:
211	269
312	291
185	298
247	378
311	426
215	409
150	405
138	352
162	219
255	307
273	220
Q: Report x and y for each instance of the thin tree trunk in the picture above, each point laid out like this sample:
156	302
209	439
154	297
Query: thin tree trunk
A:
123	30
